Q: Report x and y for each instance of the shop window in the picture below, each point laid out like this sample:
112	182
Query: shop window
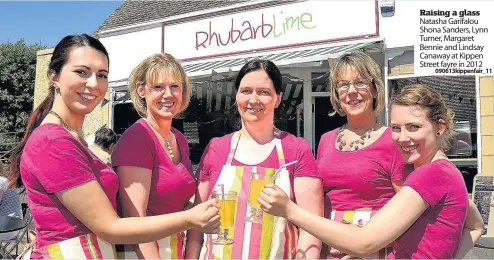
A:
289	116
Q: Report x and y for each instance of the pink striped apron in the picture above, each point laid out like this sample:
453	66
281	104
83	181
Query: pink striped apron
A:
172	247
358	217
83	247
275	238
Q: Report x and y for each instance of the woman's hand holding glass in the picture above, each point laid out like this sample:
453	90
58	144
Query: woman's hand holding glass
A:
205	216
274	201
227	203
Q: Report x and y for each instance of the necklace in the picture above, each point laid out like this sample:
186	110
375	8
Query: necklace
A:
169	147
167	142
354	145
68	128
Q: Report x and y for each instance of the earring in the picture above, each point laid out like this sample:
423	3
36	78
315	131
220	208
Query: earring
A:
438	134
57	89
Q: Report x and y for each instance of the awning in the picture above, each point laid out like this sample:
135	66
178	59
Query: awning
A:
195	69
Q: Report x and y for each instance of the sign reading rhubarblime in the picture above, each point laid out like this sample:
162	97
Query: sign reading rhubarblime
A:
290	25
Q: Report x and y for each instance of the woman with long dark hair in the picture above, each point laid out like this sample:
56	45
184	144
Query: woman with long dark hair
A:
71	193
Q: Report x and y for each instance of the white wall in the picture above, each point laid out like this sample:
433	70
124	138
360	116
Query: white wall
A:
128	50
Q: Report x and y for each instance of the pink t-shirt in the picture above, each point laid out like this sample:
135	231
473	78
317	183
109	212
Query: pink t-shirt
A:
294	148
171	185
362	178
437	232
53	161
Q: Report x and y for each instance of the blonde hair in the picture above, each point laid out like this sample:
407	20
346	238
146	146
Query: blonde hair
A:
149	71
432	102
367	68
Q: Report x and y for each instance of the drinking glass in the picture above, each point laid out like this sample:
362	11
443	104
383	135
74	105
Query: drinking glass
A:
256	186
227	202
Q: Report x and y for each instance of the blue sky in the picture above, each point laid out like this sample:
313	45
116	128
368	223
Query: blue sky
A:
47	22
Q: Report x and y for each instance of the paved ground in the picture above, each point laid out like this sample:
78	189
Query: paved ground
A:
483	250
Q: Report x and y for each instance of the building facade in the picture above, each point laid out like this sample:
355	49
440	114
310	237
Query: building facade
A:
213	39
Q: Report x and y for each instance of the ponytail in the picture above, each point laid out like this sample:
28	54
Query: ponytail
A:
34	121
58	60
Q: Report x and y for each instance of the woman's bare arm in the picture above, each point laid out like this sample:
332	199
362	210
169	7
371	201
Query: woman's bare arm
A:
90	205
308	192
135	183
389	222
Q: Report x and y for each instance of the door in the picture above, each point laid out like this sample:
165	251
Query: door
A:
324	119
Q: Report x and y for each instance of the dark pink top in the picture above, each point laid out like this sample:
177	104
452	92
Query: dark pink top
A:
437	232
362	178
53	161
171	185
294	148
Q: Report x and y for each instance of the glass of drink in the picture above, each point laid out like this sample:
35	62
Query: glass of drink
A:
256	186
227	203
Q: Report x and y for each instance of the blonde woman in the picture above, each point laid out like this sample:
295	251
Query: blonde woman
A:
152	158
361	166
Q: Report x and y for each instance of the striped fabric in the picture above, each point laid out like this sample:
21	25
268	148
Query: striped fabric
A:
275	238
83	247
358	217
172	247
194	68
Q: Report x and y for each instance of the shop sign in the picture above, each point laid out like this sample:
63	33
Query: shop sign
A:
286	26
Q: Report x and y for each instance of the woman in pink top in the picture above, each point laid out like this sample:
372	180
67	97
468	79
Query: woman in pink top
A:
430	217
256	152
70	192
360	165
152	158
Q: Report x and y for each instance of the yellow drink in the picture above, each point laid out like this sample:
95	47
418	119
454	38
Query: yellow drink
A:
227	213
255	190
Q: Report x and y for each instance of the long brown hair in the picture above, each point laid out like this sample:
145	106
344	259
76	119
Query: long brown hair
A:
58	60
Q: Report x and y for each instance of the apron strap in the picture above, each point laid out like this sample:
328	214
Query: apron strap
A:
233	147
279	147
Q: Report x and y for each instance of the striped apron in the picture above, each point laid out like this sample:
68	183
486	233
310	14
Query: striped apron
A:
275	238
172	247
83	247
358	217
